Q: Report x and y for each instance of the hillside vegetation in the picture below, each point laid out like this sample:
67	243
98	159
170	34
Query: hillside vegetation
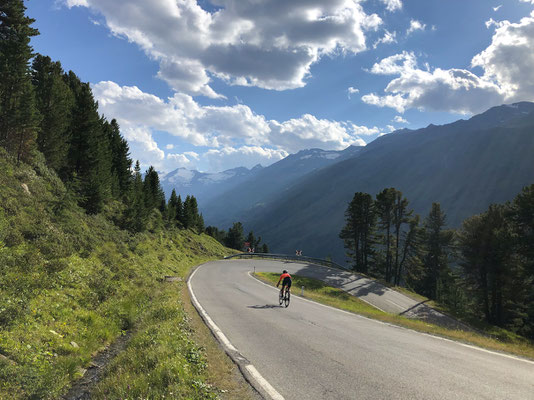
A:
72	283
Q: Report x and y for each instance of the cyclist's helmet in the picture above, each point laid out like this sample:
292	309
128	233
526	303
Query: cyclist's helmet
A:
284	271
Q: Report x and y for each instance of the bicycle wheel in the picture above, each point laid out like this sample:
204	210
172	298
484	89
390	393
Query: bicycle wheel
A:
286	299
281	297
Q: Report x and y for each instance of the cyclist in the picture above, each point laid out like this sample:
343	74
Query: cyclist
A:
285	278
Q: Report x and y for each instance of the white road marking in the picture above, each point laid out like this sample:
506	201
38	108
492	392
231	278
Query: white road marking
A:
266	385
222	337
402	327
260	380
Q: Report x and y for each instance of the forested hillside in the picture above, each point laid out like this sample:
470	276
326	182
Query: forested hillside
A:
72	283
86	242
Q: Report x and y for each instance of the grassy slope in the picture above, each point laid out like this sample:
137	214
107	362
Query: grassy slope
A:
318	291
70	284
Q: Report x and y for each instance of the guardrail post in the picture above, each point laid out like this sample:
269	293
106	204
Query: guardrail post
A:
302	291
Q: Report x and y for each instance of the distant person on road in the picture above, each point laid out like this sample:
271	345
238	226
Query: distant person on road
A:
285	278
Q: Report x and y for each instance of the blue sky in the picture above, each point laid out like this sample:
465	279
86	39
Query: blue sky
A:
212	85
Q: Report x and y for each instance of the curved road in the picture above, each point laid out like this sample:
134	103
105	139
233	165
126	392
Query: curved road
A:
309	351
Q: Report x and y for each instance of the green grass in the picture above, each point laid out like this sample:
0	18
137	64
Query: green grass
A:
71	284
317	290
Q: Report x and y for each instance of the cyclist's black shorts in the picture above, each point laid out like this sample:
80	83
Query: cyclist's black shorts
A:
286	282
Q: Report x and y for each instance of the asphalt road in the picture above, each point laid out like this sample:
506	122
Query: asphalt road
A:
309	351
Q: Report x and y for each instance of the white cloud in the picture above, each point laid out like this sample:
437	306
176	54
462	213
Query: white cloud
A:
234	132
415	26
143	146
392	5
454	90
76	3
498	7
352	90
391	128
509	59
179	160
508	76
396	64
270	44
400	120
309	132
491	22
527	1
389	37
364	131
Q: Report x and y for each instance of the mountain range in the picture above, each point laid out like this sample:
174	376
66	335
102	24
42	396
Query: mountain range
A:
299	202
223	196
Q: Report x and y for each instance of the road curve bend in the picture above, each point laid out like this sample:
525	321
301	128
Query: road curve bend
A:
310	351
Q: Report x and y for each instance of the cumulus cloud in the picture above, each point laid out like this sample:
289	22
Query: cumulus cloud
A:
400	120
453	90
415	26
270	44
508	76
233	133
180	160
392	5
389	37
351	91
509	59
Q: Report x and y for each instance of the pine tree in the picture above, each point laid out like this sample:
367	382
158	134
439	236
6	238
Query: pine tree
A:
121	163
180	219
401	216
188	216
437	242
234	238
54	100
171	207
217	234
357	234
153	193
195	216
200	224
136	213
411	264
19	117
254	241
89	152
522	215
385	206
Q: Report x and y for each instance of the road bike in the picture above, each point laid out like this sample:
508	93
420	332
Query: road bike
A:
284	298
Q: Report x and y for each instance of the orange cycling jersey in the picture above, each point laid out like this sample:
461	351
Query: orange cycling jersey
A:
283	277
